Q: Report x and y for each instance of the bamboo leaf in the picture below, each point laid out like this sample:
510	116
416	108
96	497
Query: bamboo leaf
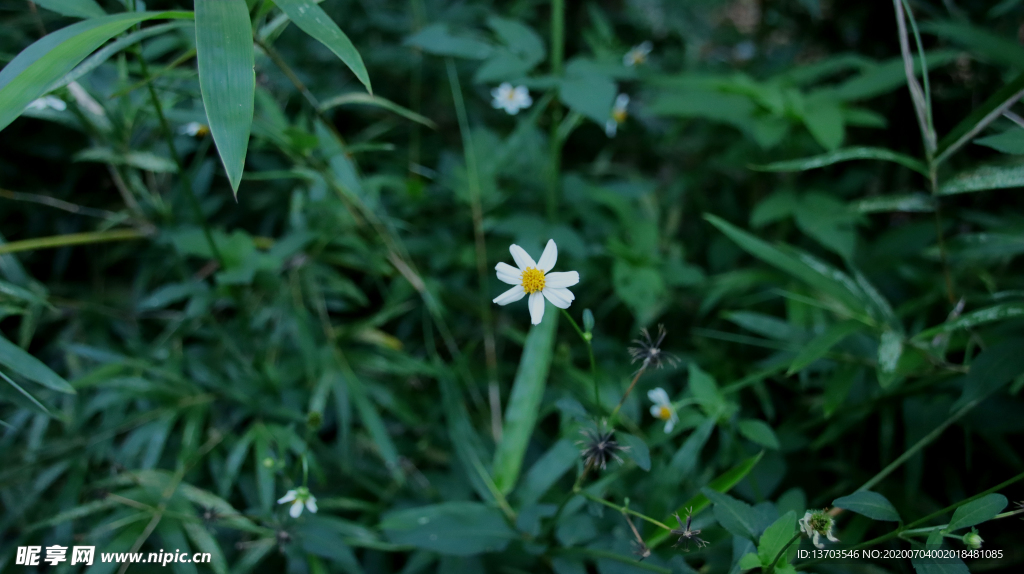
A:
16	359
371	100
524	402
311	19
870	504
983	178
227	78
991	314
38	66
977	511
841	155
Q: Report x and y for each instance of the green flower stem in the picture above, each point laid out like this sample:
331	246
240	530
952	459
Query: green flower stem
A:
557	56
625	396
782	551
622	509
590	350
930	529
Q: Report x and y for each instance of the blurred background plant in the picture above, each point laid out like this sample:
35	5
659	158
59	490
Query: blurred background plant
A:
229	271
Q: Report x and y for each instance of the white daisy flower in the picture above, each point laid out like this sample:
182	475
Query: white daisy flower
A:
47	102
662	408
817	524
299	497
511	99
619	114
534	280
637	55
194	129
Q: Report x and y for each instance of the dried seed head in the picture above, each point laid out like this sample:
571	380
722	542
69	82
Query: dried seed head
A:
687	534
599	447
649	351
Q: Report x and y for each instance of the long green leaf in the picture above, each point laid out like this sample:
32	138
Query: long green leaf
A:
977	511
991	314
820	345
371	100
227	78
311	19
19	361
982	178
841	155
374	424
980	114
37	67
990	46
73	8
776	537
800	265
524	402
870	504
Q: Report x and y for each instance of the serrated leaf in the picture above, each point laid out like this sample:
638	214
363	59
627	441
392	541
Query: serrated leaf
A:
870	504
311	19
734	515
775	538
227	79
749	561
524	401
759	432
841	155
977	511
38	66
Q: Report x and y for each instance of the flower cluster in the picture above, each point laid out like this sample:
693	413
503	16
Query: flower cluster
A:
299	497
816	524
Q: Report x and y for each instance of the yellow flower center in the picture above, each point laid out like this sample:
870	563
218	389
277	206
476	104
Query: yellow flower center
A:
202	131
637	58
533	280
664	413
619	115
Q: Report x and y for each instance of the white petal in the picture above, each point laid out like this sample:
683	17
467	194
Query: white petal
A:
311	504
815	540
658	396
288	497
669	425
559	297
831	537
655	410
561	278
549	257
621	101
511	296
296	509
536	308
523	259
509	274
610	128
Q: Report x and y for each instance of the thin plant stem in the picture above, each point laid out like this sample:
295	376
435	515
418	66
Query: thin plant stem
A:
555	151
476	209
624	510
590	351
618	407
782	550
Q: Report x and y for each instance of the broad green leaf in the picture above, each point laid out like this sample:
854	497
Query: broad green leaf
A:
982	178
841	155
144	160
991	314
759	432
73	8
765	325
685	460
591	95
721	483
636	449
775	538
883	77
825	122
734	515
519	38
544	473
38	66
989	45
453	528
911	202
503	65
837	387
524	401
819	346
227	79
438	40
1011	141
870	504
311	19
329	537
371	100
704	388
749	561
977	511
16	359
798	264
997	365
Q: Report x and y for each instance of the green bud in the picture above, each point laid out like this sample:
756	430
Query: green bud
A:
268	462
972	539
588	336
588	321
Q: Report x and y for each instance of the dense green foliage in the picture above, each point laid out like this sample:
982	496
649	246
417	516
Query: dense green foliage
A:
233	269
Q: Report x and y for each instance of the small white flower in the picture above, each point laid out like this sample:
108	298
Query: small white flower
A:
817	524
533	279
637	55
662	408
511	99
618	115
47	102
299	497
194	129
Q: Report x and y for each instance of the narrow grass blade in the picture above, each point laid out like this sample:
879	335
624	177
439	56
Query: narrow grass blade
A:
984	178
227	78
37	67
841	155
19	361
991	314
524	402
371	100
817	348
311	19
